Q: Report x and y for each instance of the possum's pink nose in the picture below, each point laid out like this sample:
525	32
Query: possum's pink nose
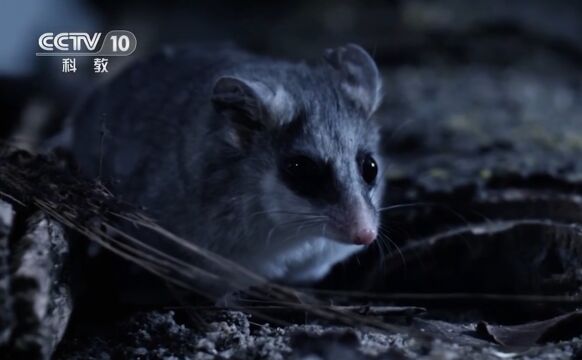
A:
364	236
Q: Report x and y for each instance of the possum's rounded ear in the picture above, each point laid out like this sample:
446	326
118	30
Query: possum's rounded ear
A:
360	78
257	105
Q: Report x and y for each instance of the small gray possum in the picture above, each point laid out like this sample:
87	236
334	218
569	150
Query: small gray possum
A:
272	164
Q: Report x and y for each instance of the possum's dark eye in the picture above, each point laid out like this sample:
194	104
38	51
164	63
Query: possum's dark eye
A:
369	169
304	175
301	167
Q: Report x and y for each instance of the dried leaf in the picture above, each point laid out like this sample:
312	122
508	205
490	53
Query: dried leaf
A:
562	327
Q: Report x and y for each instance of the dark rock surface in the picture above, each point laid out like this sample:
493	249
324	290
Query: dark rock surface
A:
6	221
463	125
35	294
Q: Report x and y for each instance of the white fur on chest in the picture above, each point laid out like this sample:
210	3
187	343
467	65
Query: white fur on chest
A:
307	261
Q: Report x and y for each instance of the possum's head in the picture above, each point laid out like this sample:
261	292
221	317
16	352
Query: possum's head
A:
312	141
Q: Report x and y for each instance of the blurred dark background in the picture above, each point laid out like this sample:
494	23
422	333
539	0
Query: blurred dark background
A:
35	95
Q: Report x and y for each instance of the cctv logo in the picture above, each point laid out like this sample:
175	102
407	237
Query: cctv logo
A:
114	43
63	41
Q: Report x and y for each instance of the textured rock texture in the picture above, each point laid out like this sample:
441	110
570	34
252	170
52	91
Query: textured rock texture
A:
34	293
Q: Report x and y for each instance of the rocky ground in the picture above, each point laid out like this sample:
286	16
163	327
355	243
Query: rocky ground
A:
233	335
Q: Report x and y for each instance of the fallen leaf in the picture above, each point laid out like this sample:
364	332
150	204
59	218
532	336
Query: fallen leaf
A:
561	327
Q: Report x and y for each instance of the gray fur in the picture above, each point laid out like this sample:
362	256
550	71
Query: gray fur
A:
171	144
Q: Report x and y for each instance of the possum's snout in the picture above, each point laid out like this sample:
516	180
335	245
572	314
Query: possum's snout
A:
364	236
360	226
362	230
